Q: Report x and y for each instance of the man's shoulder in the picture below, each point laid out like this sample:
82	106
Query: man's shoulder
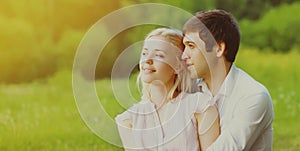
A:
249	92
246	84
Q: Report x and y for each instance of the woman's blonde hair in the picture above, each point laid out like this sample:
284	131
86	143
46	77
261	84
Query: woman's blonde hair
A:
183	80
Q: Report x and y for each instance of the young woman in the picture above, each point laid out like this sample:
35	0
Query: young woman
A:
169	116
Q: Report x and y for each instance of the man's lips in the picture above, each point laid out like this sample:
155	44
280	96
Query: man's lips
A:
189	64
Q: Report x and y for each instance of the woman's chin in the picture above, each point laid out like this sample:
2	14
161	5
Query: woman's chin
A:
147	80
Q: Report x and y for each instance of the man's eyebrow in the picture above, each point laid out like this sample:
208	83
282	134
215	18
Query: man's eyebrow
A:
188	42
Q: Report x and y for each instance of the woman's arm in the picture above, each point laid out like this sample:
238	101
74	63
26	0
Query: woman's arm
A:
125	131
208	126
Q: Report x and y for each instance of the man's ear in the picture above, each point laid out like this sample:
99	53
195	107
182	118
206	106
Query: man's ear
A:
221	48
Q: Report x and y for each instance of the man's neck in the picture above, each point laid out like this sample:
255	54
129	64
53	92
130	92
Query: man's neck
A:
217	76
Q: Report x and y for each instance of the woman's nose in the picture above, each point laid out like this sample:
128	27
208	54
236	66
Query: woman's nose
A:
149	61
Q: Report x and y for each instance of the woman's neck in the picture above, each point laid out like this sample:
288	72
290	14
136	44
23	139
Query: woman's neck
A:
159	93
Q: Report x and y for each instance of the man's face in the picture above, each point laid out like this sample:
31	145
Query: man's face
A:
195	55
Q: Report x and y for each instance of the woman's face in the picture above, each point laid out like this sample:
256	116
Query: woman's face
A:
158	61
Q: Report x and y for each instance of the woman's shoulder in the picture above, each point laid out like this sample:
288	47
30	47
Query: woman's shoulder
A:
123	118
135	110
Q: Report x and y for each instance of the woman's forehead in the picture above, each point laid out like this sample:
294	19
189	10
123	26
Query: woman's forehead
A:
158	43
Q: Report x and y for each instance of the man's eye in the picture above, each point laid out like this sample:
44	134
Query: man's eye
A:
191	45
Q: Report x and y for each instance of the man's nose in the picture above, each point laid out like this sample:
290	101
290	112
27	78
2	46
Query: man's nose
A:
184	55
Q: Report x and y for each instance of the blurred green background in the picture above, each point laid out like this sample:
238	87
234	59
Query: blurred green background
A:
39	38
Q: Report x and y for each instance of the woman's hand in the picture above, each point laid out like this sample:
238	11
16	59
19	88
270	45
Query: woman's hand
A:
208	126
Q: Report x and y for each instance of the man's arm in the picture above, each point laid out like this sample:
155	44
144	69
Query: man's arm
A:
251	116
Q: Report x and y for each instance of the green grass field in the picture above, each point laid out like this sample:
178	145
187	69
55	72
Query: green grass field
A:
42	115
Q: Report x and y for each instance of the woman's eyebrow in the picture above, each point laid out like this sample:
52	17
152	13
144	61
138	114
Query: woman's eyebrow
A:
159	50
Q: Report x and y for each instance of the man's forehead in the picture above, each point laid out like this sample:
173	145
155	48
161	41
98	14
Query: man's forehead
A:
191	37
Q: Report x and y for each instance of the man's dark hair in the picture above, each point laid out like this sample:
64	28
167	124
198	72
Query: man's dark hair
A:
216	26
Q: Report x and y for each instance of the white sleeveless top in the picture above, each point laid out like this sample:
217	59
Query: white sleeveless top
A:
179	132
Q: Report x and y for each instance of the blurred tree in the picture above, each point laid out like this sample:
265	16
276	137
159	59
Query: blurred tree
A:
279	2
78	14
250	9
23	57
276	30
67	47
37	36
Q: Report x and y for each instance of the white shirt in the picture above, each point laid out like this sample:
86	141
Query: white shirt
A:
178	133
246	114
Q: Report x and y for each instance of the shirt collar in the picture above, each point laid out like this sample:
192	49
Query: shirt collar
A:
227	85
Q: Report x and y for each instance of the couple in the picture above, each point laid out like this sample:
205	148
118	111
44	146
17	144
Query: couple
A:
193	96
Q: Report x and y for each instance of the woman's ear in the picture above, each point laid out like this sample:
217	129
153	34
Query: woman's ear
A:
221	49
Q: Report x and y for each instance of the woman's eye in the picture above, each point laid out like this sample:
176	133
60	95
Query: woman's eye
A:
144	53
159	55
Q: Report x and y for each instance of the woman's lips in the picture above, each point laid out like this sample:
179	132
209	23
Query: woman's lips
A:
148	70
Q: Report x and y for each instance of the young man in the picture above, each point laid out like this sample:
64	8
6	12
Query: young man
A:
212	40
